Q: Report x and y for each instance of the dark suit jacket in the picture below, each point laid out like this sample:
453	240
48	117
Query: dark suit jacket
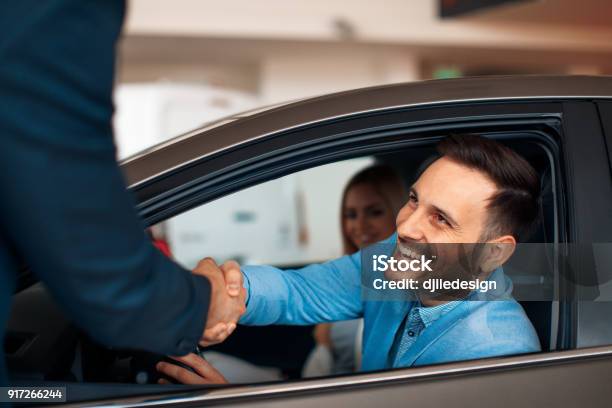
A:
64	208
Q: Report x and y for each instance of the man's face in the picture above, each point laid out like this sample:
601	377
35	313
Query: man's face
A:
446	205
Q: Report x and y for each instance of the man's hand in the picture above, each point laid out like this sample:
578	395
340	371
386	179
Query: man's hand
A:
205	373
227	301
322	334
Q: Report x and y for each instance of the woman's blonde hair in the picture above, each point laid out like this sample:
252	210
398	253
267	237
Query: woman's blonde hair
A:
389	186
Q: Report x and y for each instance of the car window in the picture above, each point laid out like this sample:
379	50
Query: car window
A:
300	219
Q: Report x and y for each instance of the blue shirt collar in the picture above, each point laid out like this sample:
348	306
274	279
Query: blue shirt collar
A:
430	314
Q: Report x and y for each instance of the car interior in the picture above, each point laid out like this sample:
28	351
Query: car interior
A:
42	345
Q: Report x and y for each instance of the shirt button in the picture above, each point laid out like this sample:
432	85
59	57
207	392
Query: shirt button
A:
410	333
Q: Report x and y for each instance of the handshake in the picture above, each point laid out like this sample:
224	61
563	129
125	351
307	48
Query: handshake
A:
227	299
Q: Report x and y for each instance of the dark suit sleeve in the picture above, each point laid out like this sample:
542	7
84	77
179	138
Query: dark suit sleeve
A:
64	207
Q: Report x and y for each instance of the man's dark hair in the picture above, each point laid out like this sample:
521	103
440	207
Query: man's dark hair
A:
514	208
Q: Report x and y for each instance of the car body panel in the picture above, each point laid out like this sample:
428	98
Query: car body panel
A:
242	128
499	98
589	201
562	379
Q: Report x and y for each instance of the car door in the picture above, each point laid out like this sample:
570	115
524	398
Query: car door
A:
569	131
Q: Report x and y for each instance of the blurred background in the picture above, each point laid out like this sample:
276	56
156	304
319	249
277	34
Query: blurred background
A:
183	63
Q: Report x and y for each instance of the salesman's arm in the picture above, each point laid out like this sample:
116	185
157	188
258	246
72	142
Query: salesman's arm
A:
317	293
64	207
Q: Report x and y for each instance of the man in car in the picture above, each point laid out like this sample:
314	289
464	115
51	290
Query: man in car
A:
64	209
477	191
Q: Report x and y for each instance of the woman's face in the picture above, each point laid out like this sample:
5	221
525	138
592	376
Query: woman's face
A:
367	218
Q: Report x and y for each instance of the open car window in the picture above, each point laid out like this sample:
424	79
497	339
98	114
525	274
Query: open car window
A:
296	220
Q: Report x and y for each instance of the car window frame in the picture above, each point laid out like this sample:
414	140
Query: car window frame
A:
357	135
544	119
589	217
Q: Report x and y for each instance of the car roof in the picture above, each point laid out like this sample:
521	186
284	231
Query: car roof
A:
237	129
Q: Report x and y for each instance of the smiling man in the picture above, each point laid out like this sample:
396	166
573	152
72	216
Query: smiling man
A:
467	210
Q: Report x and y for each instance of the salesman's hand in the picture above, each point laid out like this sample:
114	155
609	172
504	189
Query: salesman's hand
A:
204	373
227	302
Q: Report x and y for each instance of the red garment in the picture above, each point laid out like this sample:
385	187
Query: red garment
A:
163	247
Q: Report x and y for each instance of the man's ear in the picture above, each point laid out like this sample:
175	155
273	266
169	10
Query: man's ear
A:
497	252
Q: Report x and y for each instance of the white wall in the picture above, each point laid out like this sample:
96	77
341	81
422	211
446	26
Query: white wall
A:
322	189
291	75
264	223
150	113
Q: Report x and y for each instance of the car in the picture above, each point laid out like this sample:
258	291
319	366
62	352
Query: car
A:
561	124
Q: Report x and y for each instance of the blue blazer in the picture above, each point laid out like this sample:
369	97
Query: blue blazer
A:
476	328
63	202
473	329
